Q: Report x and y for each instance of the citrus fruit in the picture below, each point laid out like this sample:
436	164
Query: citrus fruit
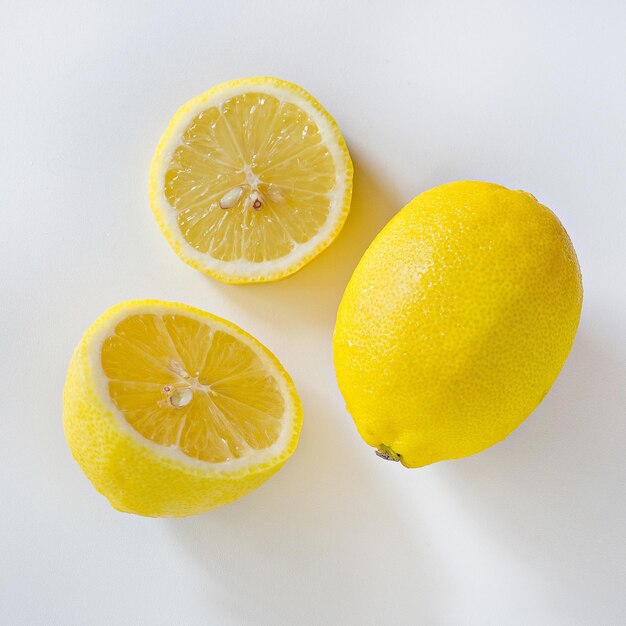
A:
172	411
251	180
456	322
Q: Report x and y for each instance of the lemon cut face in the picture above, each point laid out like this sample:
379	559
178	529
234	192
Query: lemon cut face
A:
171	411
251	180
198	389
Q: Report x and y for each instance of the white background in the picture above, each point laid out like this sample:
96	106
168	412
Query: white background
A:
531	95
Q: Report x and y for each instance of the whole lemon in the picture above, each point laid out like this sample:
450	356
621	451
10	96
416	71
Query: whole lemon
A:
456	322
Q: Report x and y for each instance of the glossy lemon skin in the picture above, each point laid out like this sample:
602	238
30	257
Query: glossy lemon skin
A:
456	322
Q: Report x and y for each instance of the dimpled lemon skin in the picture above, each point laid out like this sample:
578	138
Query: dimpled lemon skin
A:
132	477
456	322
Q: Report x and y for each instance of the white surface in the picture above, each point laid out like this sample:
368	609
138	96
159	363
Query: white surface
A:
527	94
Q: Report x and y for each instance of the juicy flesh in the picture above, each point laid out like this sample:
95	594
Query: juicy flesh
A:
179	382
265	162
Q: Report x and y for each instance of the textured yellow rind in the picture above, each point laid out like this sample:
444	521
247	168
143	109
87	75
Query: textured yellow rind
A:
130	474
164	146
456	321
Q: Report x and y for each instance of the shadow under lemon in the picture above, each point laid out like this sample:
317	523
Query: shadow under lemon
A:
322	542
552	493
312	295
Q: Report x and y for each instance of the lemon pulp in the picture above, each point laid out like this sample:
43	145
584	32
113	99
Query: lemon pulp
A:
179	383
241	180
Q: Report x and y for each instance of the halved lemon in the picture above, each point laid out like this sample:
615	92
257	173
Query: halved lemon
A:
172	411
251	180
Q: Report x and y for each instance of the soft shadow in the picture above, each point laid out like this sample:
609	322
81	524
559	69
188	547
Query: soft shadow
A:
312	295
320	543
553	492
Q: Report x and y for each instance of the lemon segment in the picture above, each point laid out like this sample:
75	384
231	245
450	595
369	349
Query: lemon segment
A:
251	180
171	411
